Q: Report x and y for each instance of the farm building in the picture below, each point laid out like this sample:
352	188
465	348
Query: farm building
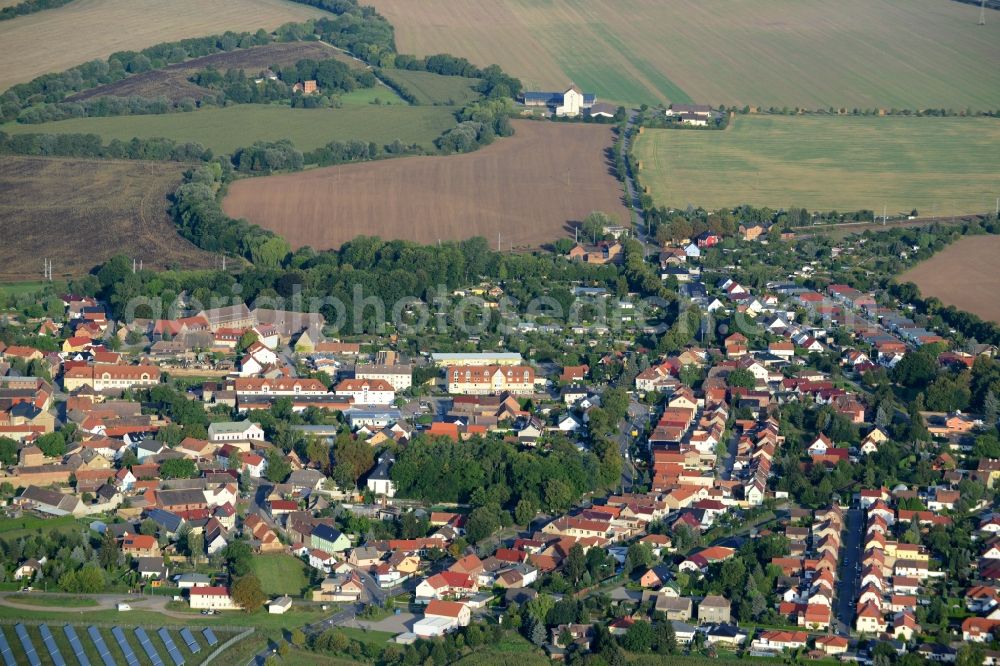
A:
690	114
571	102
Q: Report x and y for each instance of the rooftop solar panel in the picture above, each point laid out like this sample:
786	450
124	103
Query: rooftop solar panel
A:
102	647
74	642
123	643
172	650
209	636
29	647
5	652
191	642
50	645
147	645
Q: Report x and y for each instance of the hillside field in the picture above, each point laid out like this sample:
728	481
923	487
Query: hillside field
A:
846	163
964	274
79	213
226	129
57	39
528	188
807	53
172	81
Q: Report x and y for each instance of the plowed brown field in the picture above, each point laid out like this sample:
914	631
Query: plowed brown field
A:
79	213
529	188
964	274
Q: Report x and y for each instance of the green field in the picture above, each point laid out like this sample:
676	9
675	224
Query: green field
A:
807	53
16	528
430	88
372	96
847	163
281	574
226	129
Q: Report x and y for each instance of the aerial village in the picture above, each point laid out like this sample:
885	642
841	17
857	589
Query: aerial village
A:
775	496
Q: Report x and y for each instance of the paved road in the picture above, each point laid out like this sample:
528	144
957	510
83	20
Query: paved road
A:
730	461
847	577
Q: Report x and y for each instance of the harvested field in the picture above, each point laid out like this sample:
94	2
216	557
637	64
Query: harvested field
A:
79	213
847	163
808	53
226	129
57	39
172	81
964	274
528	188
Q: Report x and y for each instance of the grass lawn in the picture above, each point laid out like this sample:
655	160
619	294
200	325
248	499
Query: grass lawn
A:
370	636
827	163
281	574
20	288
15	528
430	88
377	95
226	129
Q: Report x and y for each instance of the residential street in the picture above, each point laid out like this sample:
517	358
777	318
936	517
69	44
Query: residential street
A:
847	577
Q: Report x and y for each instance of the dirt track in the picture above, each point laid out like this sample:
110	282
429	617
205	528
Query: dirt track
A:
528	188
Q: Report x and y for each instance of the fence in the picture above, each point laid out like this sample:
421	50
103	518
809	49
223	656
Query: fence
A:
74	621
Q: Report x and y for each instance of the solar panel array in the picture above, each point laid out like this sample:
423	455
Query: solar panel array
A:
29	648
147	645
172	650
5	651
191	642
209	636
76	645
130	657
50	645
101	646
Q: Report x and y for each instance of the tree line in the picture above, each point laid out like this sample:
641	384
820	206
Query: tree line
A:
30	7
90	145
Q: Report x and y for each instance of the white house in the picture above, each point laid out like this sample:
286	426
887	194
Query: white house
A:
279	605
367	391
212	598
235	431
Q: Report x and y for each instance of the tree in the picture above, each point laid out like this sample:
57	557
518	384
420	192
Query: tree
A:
638	556
298	637
108	553
239	557
248	338
178	468
991	408
741	377
639	637
247	593
483	521
52	445
664	637
8	451
970	654
278	468
576	563
537	632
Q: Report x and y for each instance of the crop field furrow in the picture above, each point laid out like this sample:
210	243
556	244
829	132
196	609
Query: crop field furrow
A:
529	189
827	163
807	53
